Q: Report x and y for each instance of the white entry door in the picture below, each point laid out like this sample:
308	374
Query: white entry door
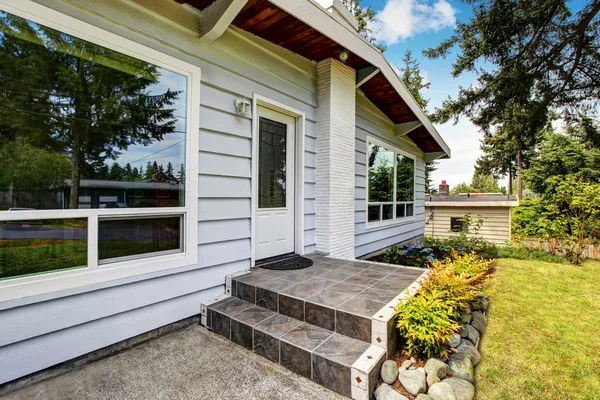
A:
275	213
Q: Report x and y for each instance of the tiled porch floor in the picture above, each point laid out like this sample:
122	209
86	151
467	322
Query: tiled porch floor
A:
331	322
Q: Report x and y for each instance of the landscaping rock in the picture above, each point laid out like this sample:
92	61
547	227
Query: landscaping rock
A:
389	372
466	347
466	318
461	366
386	392
437	367
432	379
455	340
479	321
412	368
469	332
423	396
441	391
413	381
421	369
405	365
463	390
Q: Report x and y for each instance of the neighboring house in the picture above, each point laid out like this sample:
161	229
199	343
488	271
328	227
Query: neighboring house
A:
279	141
445	215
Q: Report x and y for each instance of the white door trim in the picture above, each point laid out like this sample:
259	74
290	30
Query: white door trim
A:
299	116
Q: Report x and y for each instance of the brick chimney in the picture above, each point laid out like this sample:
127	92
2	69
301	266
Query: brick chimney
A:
444	189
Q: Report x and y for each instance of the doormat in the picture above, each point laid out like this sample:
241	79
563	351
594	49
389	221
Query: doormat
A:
298	262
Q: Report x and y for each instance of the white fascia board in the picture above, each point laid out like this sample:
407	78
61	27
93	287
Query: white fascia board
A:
463	204
316	17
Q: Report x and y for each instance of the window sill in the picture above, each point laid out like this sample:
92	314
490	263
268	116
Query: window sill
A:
371	226
17	292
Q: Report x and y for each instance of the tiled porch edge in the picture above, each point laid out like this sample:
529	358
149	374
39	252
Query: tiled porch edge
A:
384	334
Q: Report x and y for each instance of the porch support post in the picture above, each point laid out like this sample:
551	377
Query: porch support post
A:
336	108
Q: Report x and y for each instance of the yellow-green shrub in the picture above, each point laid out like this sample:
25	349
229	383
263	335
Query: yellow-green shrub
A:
428	320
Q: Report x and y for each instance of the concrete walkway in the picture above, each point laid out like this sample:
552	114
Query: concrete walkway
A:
189	364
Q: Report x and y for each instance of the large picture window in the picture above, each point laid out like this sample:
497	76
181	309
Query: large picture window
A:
93	143
391	183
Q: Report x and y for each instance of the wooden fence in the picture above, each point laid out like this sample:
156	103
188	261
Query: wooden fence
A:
591	252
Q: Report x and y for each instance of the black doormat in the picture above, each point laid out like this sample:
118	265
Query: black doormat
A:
298	262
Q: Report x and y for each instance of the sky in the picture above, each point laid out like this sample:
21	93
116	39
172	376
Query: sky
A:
417	25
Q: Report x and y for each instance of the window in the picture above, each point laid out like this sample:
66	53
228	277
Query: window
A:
391	183
272	142
93	146
458	225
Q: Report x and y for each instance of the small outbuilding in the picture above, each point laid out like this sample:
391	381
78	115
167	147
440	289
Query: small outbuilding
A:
445	214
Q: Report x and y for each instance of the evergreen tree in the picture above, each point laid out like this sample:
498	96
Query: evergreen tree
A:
128	173
116	172
149	171
169	172
181	174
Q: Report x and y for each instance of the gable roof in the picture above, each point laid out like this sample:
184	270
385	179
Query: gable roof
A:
307	29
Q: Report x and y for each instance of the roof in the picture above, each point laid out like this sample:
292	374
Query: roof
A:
477	200
306	28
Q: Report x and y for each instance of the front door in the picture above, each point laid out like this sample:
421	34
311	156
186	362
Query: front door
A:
275	164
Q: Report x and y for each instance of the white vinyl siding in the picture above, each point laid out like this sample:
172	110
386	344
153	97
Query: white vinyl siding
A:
46	331
496	224
370	122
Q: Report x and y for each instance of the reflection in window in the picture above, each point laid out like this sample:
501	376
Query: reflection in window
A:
272	138
126	237
82	126
458	225
381	174
389	199
30	247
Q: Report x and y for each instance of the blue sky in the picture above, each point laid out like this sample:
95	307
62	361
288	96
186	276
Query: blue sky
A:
417	25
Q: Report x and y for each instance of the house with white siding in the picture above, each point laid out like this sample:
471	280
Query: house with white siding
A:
150	148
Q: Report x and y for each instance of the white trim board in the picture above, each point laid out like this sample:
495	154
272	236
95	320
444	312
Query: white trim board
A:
262	101
24	288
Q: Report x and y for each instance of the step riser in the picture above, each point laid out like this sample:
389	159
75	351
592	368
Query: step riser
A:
357	380
344	323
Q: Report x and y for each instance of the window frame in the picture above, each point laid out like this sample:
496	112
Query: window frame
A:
94	272
395	220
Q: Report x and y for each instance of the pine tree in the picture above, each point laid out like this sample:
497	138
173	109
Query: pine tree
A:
169	172
148	175
181	174
364	16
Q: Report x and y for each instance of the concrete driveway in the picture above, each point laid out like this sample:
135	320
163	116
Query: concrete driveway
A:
189	364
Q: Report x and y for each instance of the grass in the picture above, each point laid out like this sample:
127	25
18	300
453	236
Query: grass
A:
543	338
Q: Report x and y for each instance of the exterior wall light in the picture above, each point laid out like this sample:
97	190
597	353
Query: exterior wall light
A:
243	107
344	55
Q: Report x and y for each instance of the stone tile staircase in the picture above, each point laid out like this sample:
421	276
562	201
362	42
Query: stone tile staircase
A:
332	322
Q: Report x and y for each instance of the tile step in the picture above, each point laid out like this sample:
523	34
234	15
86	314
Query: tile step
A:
340	363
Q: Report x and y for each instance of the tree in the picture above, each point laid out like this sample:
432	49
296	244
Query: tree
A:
79	98
560	155
411	76
485	183
544	56
149	171
462	188
364	16
181	174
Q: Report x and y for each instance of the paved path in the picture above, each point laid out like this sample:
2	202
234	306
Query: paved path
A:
189	364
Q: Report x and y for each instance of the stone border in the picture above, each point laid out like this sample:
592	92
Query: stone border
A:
443	379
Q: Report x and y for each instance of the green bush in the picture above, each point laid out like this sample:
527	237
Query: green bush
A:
428	320
522	252
526	221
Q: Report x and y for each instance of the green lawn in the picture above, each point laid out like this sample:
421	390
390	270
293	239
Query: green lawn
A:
543	338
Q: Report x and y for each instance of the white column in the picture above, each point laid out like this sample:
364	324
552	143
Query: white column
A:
336	107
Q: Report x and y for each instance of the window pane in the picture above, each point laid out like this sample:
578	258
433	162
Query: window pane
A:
271	164
457	225
405	178
388	211
400	211
130	237
82	126
381	174
374	213
409	210
30	247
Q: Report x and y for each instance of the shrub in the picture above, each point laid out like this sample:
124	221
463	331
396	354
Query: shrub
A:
428	320
412	256
521	252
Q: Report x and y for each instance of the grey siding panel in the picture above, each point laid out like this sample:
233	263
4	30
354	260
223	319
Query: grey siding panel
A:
223	230
215	209
224	165
211	186
23	323
28	356
217	142
370	122
223	252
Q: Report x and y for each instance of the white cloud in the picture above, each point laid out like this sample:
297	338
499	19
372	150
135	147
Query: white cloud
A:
401	19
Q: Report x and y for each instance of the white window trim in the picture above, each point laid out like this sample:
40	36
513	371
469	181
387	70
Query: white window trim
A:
20	288
394	221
